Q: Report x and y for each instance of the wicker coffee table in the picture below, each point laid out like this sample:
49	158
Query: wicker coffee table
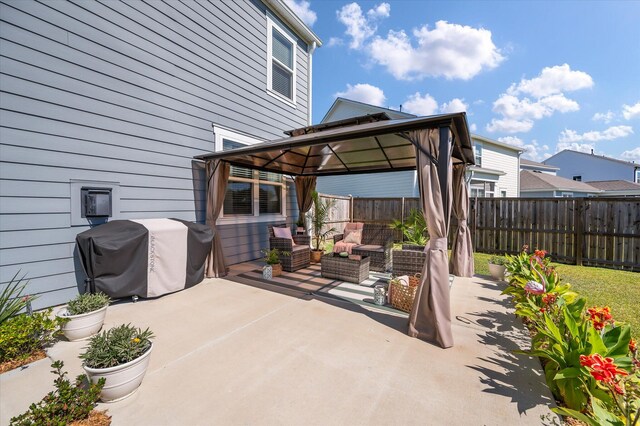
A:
345	269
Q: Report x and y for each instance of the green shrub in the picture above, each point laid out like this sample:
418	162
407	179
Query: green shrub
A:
22	335
11	300
272	256
498	260
87	302
66	404
116	346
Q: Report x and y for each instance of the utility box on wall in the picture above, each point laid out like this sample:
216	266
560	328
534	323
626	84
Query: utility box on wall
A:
95	202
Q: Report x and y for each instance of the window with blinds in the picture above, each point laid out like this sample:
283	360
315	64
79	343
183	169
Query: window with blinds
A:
270	199
238	199
282	58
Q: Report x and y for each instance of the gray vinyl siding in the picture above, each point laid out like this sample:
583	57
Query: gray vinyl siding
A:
391	184
123	92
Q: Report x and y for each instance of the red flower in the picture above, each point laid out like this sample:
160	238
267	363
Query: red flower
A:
549	298
602	369
599	316
540	253
633	346
618	389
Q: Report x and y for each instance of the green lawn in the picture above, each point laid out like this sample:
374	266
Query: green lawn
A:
620	290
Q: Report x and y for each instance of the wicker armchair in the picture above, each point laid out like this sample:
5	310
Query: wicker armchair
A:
377	243
299	255
409	261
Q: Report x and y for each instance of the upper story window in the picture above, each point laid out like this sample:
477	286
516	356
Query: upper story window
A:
637	175
578	178
281	63
477	153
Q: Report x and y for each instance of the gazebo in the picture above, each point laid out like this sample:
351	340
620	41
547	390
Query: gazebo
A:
438	147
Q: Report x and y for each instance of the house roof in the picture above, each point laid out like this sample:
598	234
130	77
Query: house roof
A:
497	143
529	163
285	13
378	146
536	181
615	185
390	112
615	160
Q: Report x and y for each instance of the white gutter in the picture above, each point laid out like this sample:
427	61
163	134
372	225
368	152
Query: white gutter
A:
310	50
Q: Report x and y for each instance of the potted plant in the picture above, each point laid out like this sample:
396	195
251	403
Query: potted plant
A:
414	229
319	217
272	259
84	315
497	266
301	225
121	356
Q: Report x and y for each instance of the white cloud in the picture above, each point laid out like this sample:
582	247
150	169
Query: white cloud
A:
632	155
363	93
509	125
473	127
301	8
605	117
421	105
553	80
519	113
382	10
574	146
449	50
614	132
533	150
454	105
335	41
361	27
630	112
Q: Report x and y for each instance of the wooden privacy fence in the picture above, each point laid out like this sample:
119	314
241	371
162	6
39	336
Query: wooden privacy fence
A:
598	231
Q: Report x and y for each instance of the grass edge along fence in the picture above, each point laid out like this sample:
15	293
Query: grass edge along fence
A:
590	361
594	231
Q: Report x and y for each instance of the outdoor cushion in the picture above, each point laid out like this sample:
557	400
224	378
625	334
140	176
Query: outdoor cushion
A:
352	226
354	237
299	247
371	247
280	232
341	246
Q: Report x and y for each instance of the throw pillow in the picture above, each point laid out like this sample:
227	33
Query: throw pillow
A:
280	232
354	237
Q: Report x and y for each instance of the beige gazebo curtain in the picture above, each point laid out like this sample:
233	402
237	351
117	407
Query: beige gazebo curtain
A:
217	178
461	246
430	317
305	185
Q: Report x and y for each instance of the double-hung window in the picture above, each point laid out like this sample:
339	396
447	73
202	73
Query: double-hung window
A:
281	63
477	152
251	195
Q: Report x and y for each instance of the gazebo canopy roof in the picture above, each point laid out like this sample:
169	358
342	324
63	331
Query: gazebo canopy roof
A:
347	146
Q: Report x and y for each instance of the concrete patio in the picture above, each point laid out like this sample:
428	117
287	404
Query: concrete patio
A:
228	353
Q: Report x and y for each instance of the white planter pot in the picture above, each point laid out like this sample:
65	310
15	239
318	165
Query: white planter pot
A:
121	380
84	325
497	271
267	272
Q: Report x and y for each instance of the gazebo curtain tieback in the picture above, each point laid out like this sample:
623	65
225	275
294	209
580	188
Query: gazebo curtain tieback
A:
436	244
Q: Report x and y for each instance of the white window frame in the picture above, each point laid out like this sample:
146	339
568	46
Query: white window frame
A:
221	133
637	175
564	194
477	151
290	101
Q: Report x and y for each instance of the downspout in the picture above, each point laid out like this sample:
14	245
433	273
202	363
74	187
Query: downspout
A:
310	49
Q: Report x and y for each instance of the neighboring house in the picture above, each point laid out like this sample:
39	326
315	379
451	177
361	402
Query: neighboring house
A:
537	167
494	175
539	184
585	167
617	188
120	96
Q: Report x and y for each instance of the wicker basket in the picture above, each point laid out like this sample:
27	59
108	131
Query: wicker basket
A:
402	295
414	280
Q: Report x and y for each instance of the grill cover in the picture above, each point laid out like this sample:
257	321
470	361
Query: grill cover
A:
146	258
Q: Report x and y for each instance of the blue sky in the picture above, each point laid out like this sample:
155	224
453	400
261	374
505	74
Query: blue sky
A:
544	75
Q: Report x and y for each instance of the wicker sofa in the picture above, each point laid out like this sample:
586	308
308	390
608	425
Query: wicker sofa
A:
377	243
298	256
408	261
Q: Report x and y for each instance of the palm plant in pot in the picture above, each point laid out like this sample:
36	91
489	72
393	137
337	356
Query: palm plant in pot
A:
121	356
497	267
414	230
320	214
84	315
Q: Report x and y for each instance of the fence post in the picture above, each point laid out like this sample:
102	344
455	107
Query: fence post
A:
577	226
350	208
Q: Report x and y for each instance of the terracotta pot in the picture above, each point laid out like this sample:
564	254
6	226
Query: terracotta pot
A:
121	380
276	270
316	256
